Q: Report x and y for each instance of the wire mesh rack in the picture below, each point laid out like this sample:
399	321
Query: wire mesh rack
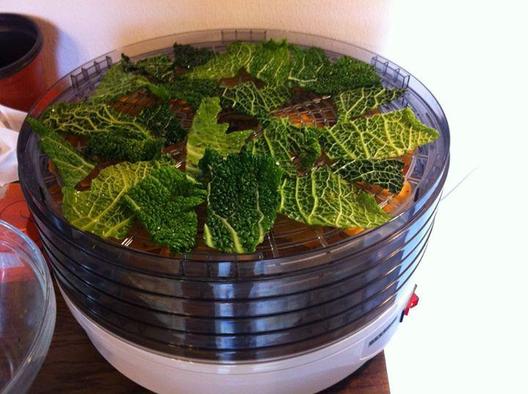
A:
286	237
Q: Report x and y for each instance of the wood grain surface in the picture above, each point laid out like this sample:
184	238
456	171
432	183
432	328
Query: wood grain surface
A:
73	365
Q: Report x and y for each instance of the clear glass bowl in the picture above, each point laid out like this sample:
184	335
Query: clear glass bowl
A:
27	310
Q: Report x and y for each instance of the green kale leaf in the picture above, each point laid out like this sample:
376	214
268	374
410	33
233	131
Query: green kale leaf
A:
71	165
163	123
385	173
250	100
101	210
187	56
383	136
354	103
164	201
293	148
345	73
205	133
242	201
324	198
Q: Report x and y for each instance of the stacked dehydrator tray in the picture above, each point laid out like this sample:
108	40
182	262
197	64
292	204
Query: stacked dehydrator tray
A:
301	313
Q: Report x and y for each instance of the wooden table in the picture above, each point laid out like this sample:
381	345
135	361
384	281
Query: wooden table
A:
73	365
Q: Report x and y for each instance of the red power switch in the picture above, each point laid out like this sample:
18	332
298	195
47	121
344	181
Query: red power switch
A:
413	301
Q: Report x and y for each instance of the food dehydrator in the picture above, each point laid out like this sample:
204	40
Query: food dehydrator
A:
303	312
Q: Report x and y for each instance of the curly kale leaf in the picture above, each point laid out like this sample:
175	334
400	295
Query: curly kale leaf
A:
290	146
205	133
242	201
385	173
117	83
71	165
101	210
345	73
250	100
383	136
193	91
354	103
187	56
324	198
164	201
163	123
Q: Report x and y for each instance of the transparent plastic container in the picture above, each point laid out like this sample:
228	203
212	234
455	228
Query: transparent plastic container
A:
27	310
284	299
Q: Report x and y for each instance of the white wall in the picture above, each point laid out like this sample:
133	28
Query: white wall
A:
78	30
468	334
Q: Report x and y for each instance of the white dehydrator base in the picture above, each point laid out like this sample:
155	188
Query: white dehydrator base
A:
304	373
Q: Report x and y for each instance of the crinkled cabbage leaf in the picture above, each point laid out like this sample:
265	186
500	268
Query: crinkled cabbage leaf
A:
206	132
385	173
164	202
71	165
324	198
351	104
242	200
383	136
100	210
250	100
117	82
294	149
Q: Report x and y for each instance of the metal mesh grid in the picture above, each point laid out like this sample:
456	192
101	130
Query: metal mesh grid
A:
286	237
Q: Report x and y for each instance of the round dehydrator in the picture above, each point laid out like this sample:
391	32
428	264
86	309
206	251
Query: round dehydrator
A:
304	311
